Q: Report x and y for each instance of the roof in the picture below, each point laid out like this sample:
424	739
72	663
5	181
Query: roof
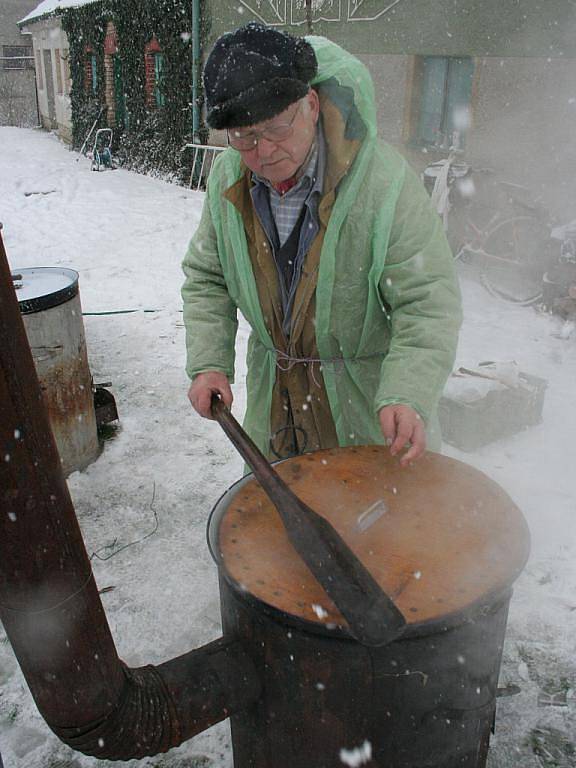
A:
50	7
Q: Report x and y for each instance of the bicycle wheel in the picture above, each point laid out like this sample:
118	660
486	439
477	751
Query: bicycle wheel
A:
515	259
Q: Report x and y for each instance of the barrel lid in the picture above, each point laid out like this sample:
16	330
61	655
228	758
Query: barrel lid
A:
40	288
440	537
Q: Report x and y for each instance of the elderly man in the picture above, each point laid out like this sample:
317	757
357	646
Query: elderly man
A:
327	243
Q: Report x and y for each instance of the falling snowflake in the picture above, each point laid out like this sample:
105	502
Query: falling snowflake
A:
319	611
356	756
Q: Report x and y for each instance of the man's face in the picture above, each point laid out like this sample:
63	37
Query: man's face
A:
279	159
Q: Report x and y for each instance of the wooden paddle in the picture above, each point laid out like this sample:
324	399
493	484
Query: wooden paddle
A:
372	617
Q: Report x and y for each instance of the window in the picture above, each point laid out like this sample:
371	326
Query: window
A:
120	112
58	65
94	69
444	101
17	57
159	79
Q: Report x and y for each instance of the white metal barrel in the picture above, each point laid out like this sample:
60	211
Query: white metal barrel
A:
50	304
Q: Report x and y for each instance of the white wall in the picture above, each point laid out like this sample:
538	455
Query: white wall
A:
524	124
49	35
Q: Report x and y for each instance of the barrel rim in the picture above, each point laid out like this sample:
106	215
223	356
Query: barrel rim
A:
485	603
488	604
49	300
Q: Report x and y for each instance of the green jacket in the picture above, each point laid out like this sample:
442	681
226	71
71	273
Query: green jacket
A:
387	298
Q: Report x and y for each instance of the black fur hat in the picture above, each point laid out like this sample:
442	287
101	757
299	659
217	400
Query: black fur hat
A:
254	73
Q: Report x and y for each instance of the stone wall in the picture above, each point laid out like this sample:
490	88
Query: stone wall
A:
17	87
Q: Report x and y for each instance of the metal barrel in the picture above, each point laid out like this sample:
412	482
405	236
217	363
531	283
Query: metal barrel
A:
446	545
424	702
49	300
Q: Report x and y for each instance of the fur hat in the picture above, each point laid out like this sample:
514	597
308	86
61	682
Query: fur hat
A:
254	74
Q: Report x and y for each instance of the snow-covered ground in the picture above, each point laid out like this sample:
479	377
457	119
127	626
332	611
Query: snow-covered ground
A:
126	235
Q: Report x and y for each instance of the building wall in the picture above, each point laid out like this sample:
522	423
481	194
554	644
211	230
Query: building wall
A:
52	75
523	122
441	27
524	125
391	76
524	90
17	90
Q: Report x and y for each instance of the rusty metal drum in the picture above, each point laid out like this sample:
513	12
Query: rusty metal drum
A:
443	541
49	301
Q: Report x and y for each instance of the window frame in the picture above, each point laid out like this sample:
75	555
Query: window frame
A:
22	60
93	72
159	96
457	78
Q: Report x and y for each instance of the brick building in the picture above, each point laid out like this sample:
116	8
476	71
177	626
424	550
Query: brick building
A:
51	49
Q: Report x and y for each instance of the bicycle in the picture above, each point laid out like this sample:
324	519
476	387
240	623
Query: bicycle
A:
488	224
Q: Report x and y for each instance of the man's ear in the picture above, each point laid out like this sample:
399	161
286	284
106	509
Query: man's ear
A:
314	103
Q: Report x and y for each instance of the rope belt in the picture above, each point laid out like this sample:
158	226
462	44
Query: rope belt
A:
285	362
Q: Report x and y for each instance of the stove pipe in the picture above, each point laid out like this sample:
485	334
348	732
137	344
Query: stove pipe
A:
49	602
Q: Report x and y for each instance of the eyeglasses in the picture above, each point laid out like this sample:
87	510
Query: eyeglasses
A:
243	140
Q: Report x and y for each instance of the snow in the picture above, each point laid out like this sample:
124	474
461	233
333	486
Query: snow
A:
126	235
357	756
47	7
319	611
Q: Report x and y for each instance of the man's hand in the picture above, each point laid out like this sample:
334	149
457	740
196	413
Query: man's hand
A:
204	386
402	426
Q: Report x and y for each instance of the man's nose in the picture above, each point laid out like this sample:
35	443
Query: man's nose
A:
265	147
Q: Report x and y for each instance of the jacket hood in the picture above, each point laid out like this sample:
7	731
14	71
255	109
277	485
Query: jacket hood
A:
337	65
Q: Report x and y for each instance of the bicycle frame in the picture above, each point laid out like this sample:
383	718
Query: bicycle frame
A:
508	239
